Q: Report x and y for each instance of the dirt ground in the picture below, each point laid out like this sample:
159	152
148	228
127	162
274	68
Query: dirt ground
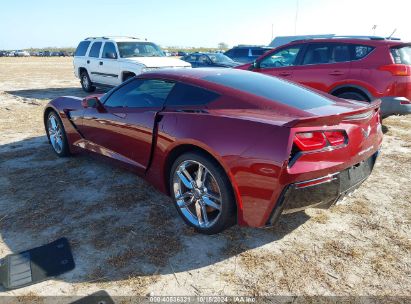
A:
127	238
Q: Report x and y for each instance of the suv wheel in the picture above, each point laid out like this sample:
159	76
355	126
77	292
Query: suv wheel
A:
86	83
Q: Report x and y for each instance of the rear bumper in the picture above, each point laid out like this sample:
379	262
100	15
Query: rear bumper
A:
395	105
322	192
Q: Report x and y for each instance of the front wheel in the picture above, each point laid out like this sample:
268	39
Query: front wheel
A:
202	193
57	134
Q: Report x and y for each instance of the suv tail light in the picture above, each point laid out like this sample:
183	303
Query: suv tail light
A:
317	140
397	69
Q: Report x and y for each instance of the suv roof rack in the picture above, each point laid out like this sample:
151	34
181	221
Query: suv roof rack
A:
250	45
351	37
111	37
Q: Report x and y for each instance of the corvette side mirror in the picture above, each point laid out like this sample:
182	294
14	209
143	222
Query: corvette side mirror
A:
92	102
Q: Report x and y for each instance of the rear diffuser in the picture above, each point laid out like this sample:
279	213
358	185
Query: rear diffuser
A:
36	265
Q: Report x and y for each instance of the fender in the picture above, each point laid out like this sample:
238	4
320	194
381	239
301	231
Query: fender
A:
363	87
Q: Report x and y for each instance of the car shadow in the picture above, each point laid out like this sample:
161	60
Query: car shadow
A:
51	93
118	225
384	129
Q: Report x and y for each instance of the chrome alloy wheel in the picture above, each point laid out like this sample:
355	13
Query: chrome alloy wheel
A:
197	194
85	81
55	134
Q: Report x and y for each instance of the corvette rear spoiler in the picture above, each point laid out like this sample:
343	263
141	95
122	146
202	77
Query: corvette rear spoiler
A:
356	115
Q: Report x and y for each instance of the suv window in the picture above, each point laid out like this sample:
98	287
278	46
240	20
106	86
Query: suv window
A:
109	51
402	55
188	95
190	58
258	52
95	50
282	58
82	48
141	93
317	54
320	53
360	51
240	52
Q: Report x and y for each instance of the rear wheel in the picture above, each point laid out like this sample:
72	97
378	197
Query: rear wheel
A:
202	193
86	83
57	134
353	96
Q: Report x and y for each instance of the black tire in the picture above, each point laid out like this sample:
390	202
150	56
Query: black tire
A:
64	151
353	96
86	83
227	213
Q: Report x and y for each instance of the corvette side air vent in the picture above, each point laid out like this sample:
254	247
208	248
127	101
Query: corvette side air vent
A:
193	111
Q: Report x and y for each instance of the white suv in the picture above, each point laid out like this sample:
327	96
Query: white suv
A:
108	61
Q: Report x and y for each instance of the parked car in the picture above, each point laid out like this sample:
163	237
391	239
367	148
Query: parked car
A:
353	68
3	53
202	60
246	53
181	53
228	145
108	61
21	53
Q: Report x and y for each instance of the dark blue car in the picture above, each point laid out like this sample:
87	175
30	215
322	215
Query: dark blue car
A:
246	53
202	60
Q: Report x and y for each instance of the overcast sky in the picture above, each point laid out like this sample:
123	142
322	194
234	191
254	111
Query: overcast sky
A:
41	23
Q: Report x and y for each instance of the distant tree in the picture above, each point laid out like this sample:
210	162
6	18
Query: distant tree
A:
223	46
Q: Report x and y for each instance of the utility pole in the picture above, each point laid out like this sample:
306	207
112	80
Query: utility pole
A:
296	18
272	32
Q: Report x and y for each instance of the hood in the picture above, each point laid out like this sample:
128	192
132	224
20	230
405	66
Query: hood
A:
157	62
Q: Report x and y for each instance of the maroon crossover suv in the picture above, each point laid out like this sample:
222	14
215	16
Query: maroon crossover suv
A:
364	68
227	145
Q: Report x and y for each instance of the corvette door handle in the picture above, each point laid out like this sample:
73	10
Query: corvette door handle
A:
101	62
337	73
88	61
285	74
121	115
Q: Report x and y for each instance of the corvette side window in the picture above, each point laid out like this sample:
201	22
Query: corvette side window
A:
187	95
141	94
150	93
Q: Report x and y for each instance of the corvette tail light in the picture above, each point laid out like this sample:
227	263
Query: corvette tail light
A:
397	69
317	140
310	141
335	138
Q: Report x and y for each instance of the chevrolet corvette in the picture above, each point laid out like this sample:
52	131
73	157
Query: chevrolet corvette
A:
229	146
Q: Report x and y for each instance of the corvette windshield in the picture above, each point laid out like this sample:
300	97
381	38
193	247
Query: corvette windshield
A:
139	49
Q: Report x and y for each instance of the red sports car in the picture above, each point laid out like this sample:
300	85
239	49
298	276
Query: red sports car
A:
228	145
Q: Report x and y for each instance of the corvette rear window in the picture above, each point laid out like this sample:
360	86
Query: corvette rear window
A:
271	88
